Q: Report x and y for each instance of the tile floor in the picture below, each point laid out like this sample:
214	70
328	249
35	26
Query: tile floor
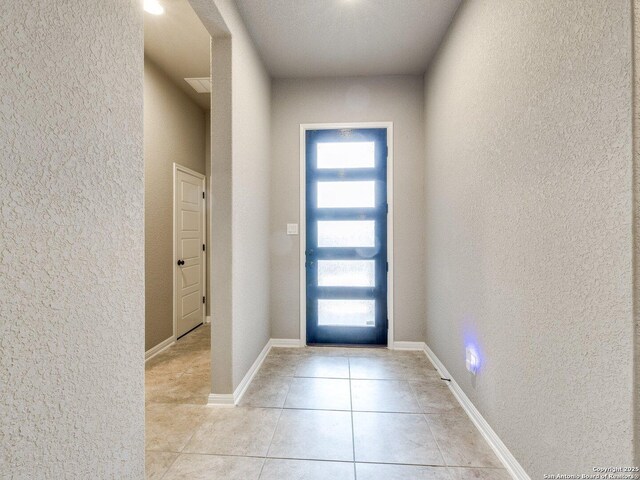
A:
312	413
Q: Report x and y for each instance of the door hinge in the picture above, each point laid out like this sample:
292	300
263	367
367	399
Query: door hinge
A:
203	299
386	151
386	206
203	247
202	194
387	266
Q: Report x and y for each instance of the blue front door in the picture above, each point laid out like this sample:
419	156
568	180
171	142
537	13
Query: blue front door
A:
346	237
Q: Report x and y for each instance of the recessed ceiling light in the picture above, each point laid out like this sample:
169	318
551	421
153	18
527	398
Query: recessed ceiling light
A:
153	7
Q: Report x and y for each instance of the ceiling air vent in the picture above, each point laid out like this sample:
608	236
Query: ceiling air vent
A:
200	85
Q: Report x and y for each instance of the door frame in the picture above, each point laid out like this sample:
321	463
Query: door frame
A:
303	218
179	168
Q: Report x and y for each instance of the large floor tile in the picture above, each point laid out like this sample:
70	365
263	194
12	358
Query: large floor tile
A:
319	393
460	442
313	435
327	351
171	362
369	352
394	438
375	368
277	469
266	391
235	431
176	360
421	373
479	474
321	366
211	467
283	351
376	471
192	388
157	463
435	397
281	365
383	396
418	368
169	427
410	355
156	384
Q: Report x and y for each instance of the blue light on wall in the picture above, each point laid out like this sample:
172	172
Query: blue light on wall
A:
473	353
472	359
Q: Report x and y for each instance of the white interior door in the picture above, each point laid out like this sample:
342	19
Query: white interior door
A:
189	251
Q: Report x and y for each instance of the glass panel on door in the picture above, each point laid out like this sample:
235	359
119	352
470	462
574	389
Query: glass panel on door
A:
346	273
346	194
346	249
346	233
346	155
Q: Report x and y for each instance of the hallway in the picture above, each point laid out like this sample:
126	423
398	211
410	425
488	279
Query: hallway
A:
307	414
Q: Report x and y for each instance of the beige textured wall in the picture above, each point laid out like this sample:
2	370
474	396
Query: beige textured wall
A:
71	240
174	131
240	149
251	99
636	219
221	205
529	209
358	99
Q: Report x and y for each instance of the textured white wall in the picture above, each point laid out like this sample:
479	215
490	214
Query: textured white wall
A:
636	218
354	99
71	240
240	142
221	206
251	144
529	209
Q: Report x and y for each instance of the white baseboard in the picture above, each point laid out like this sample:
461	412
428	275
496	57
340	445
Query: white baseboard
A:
158	349
408	346
248	378
286	342
221	400
499	448
232	399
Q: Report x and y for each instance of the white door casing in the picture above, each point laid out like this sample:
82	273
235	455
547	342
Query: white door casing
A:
188	249
303	208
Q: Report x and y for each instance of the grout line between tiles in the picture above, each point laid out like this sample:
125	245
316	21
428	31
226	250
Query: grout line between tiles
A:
353	435
168	468
426	420
415	395
266	455
264	459
368	462
339	410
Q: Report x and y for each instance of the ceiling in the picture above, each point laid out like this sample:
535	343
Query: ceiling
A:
319	38
178	43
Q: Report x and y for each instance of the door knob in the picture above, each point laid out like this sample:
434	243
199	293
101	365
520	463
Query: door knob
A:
180	262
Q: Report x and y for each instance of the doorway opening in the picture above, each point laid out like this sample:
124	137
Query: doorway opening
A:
177	110
345	241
